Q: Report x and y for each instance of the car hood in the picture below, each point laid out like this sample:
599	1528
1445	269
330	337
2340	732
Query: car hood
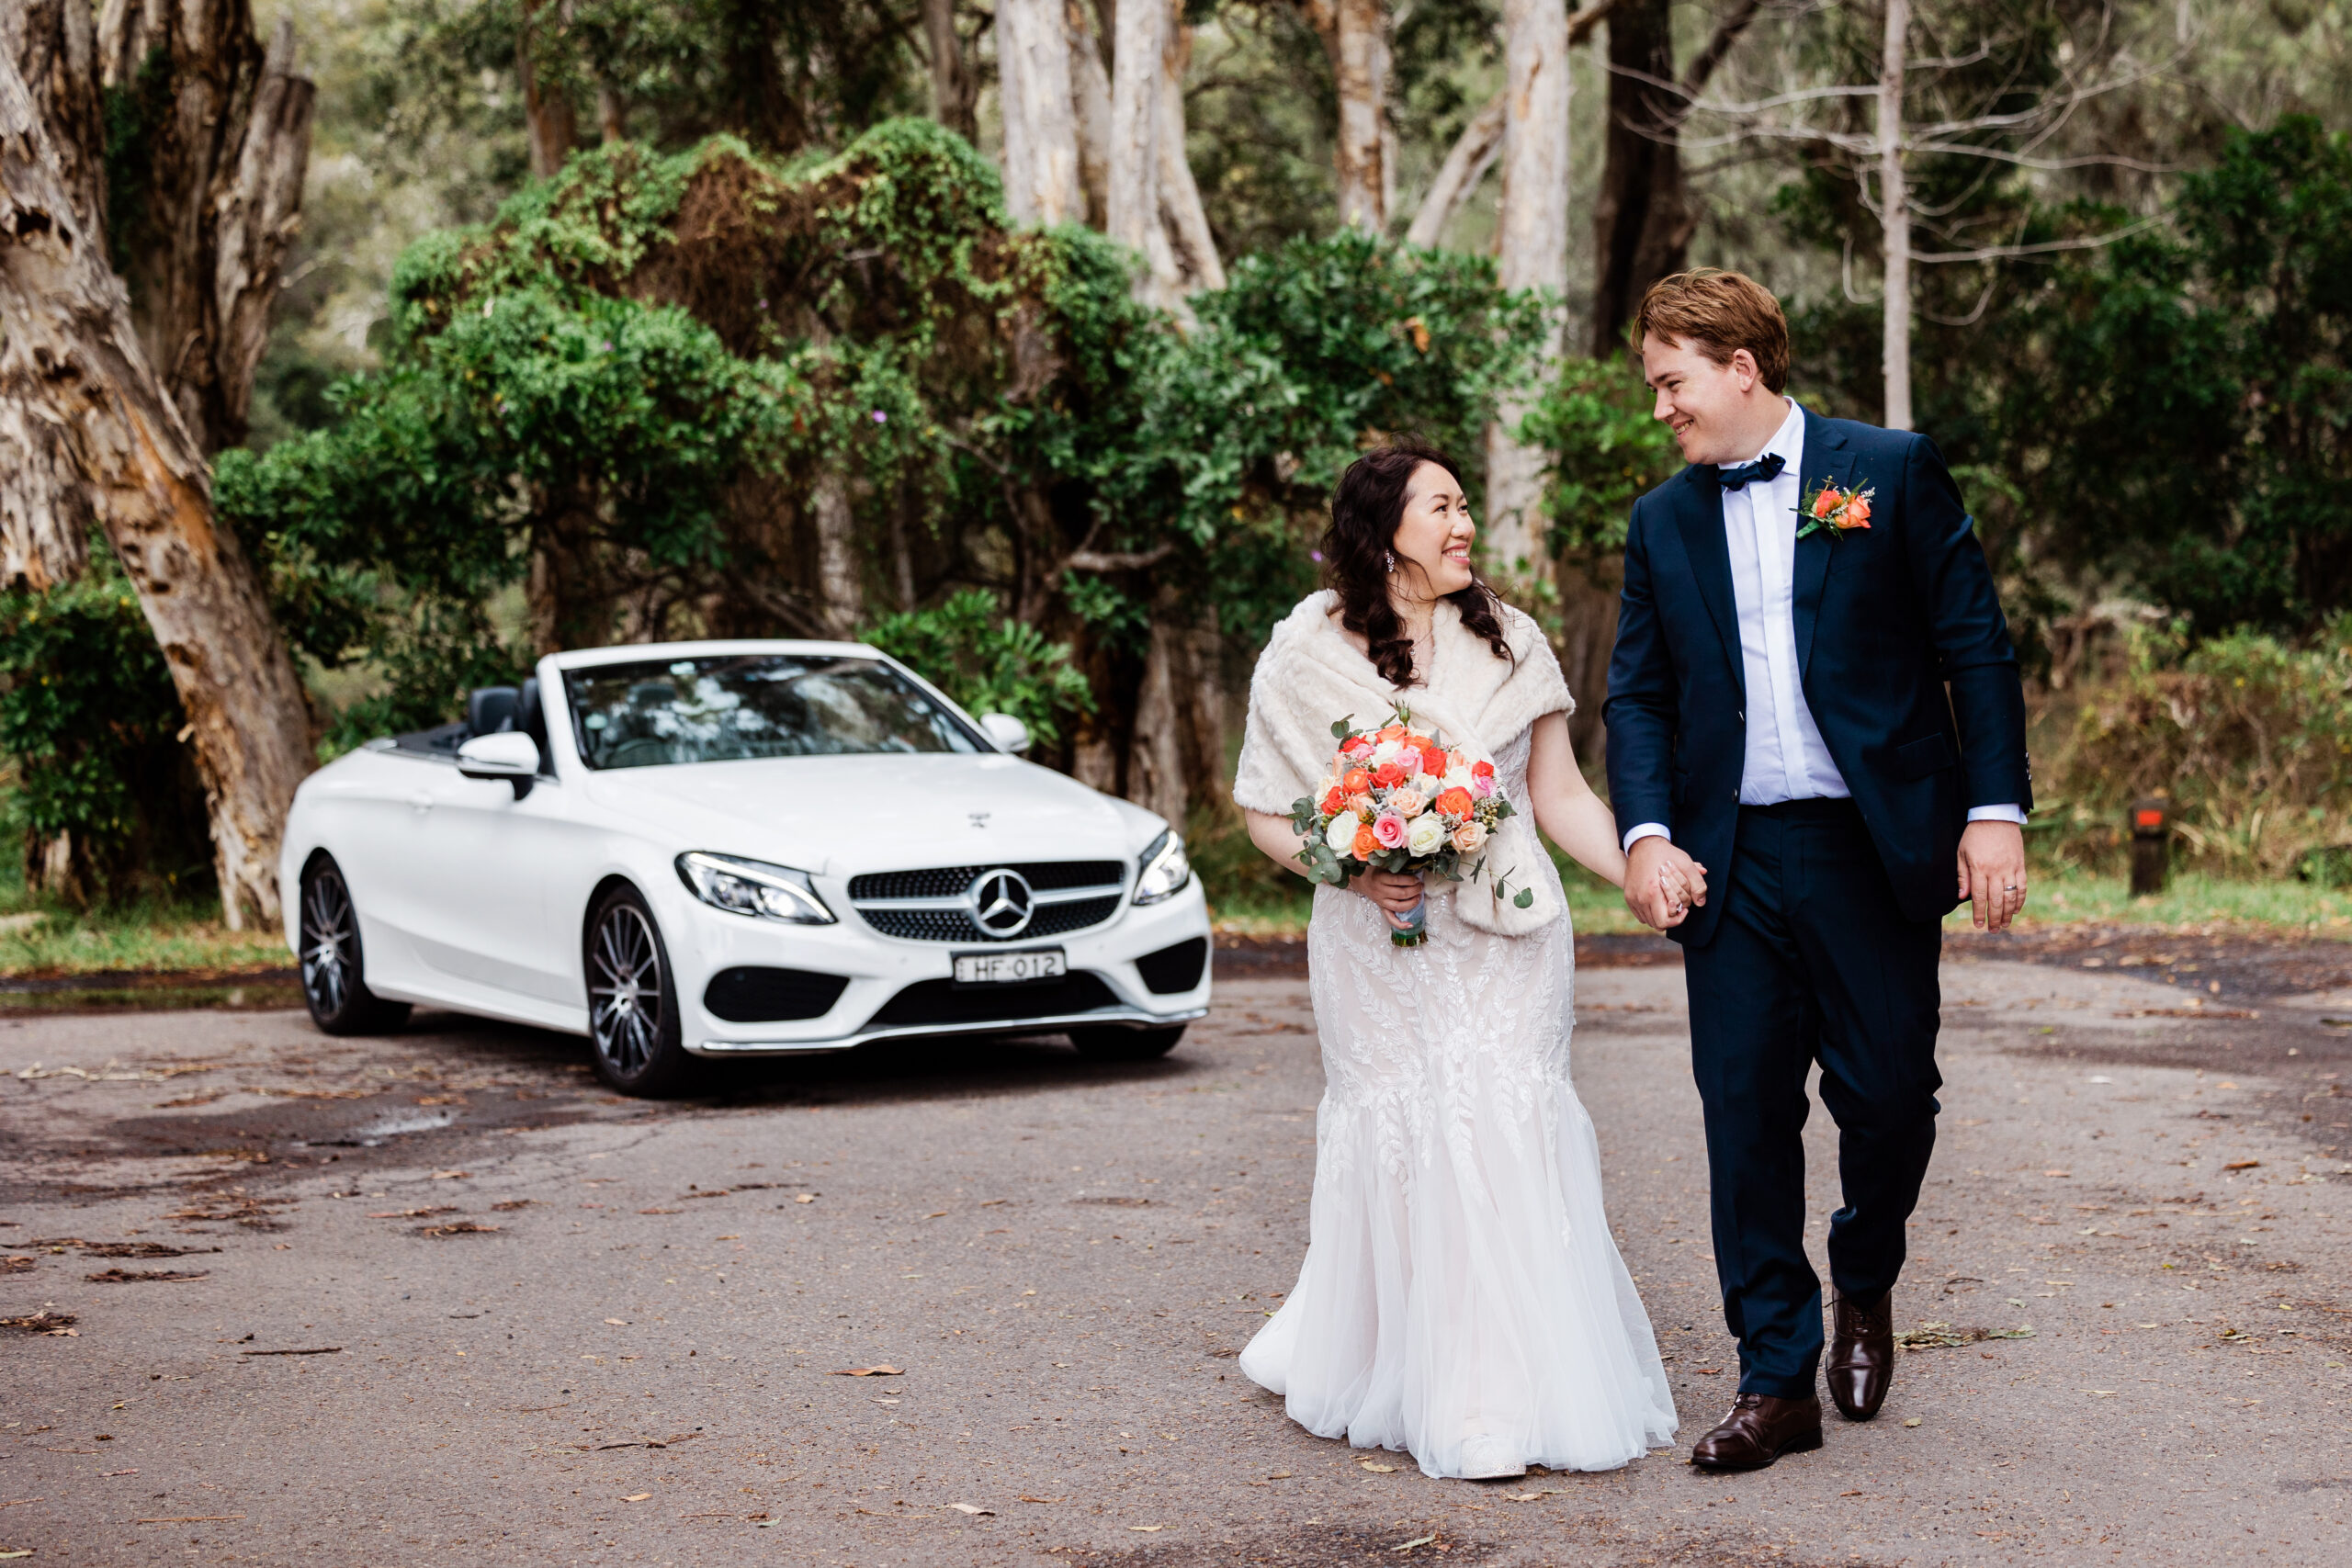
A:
838	816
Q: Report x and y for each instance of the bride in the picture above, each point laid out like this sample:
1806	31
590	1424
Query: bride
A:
1461	1298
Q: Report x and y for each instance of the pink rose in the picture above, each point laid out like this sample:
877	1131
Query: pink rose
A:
1406	803
1482	785
1389	829
1470	837
1411	761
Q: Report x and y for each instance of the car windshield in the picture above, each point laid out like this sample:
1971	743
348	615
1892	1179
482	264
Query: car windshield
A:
726	707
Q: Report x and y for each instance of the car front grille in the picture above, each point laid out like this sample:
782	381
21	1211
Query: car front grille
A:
943	1002
929	905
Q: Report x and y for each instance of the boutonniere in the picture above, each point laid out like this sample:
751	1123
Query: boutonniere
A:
1837	511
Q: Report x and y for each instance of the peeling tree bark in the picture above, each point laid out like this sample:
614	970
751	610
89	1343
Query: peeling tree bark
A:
1139	42
1531	252
1041	168
1894	220
1090	88
953	90
70	357
1193	247
215	173
1466	163
1355	42
546	111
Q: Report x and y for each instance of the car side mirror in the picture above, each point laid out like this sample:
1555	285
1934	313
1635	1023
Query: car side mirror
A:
508	755
1009	733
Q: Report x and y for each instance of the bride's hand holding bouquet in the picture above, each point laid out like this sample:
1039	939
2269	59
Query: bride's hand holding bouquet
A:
1393	808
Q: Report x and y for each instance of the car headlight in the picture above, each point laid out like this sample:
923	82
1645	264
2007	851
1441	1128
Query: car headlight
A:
1163	870
754	888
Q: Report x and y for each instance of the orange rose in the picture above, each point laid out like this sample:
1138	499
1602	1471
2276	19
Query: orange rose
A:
1393	732
1389	775
1482	770
1857	513
1825	504
1361	804
1433	762
1357	782
1367	843
1454	803
1417	743
1333	801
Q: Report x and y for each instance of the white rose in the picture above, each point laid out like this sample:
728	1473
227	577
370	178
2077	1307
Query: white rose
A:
1424	835
1386	752
1456	778
1341	834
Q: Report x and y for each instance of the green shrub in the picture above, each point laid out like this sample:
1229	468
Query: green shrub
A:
987	661
2250	737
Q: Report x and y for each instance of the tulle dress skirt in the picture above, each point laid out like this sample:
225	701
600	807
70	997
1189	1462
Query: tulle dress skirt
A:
1461	1283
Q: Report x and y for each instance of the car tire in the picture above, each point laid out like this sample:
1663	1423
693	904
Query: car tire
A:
1110	1043
334	969
633	1026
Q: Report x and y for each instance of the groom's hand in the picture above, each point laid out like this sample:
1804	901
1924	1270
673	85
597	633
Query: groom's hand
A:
1658	877
1992	873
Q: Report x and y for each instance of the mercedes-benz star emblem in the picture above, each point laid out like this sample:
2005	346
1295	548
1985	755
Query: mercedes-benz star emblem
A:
1001	903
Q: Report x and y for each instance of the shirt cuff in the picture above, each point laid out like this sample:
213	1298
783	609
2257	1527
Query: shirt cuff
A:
1659	830
1988	814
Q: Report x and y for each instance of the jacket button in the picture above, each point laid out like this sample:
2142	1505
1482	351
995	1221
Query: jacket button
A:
1742	715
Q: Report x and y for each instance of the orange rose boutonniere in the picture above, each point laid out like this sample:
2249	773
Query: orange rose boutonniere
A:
1837	510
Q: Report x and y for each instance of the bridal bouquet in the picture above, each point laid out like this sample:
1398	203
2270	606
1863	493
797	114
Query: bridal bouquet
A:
1395	799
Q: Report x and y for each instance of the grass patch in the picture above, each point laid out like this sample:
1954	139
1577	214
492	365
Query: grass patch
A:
2068	895
41	937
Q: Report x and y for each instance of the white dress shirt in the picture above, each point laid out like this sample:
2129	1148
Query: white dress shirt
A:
1786	756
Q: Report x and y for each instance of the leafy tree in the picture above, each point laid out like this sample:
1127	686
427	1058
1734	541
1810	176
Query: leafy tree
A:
987	663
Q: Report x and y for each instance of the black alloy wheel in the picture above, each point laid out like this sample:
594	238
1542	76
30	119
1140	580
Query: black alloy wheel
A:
1109	1043
335	973
632	1006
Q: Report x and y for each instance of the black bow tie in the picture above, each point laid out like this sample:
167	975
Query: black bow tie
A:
1765	469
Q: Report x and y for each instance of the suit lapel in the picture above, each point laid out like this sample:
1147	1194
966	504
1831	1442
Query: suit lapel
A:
1700	517
1827	459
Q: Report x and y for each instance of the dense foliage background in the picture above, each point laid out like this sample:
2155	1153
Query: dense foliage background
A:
766	354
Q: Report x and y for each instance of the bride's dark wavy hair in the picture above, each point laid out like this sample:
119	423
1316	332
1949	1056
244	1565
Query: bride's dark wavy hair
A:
1366	509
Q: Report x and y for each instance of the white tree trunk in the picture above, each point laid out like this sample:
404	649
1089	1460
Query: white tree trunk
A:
1894	219
1187	222
839	584
71	359
1041	162
1531	252
1140	43
1466	163
1092	86
1359	49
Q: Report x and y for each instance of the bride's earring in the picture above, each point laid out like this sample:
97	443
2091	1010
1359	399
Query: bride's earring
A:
1388	563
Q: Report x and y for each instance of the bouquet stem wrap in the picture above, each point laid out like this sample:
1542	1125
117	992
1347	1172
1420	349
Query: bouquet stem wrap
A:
1310	675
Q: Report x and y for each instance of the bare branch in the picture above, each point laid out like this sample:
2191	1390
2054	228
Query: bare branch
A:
1116	560
1704	64
2043	248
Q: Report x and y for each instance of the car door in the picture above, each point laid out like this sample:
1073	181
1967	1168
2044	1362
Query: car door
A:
485	857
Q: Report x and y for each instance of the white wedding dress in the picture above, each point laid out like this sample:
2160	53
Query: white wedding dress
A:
1462	1298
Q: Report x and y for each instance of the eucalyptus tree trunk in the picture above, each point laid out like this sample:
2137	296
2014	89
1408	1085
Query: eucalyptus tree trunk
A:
1466	163
1140	45
1091	90
548	113
1355	42
1531	252
221	143
1186	220
1041	165
952	86
70	357
1894	220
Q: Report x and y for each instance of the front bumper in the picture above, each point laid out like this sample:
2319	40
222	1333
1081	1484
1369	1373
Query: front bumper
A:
881	968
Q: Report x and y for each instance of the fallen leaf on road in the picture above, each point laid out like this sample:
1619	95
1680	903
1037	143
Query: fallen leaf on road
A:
20	1263
133	1276
617	1322
1027	1499
1912	1422
414	1213
1377	1469
637	1497
1943	1335
452	1175
2057	1173
189	1519
658	1211
804	1198
1278	1475
2242	1165
1147	1530
136	1249
42	1322
971	1509
1409	1545
874	1371
514	1203
457	1227
317	1351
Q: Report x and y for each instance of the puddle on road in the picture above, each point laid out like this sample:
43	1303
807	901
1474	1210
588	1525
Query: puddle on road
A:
140	992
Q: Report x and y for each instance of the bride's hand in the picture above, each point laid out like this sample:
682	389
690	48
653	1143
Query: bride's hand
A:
1394	891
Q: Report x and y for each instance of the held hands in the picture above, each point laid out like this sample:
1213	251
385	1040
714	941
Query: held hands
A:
1992	873
1663	884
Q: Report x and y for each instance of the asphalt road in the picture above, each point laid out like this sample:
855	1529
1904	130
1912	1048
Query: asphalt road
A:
447	1301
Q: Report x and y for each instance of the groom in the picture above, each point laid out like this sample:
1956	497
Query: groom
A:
1814	702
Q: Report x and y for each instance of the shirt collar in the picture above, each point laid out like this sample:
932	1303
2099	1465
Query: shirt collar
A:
1789	440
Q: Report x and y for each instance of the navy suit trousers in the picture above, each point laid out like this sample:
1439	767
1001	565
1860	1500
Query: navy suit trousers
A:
1811	962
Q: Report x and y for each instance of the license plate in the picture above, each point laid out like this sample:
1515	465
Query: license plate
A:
1011	968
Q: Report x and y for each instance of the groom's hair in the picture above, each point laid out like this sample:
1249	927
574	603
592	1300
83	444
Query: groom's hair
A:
1718	313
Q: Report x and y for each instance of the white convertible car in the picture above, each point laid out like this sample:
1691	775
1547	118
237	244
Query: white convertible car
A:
733	849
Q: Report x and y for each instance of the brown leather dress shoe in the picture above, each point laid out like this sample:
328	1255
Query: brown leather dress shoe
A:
1758	1430
1861	1355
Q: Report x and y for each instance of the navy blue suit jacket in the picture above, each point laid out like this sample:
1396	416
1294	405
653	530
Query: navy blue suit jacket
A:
1886	619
